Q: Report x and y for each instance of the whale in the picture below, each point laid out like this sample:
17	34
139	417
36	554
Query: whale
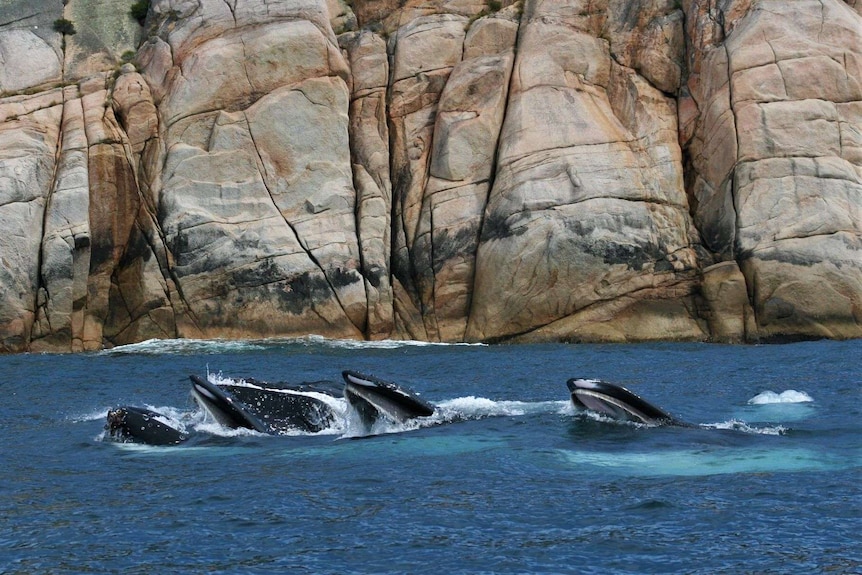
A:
273	408
138	424
269	407
374	399
617	402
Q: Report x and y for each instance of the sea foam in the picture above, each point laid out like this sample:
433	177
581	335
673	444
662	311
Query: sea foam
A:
213	346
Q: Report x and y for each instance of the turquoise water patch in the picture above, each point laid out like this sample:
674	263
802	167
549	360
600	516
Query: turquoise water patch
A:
702	462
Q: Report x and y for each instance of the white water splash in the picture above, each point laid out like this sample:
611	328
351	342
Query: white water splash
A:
788	396
215	428
737	425
451	411
472	407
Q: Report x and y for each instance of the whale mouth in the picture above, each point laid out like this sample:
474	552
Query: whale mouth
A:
616	402
129	423
374	398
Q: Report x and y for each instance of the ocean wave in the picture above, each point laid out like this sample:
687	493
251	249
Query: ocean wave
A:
787	396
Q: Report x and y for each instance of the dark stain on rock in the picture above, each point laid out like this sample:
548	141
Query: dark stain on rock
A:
498	227
263	273
304	291
82	241
374	276
137	248
776	309
342	278
101	251
447	246
633	254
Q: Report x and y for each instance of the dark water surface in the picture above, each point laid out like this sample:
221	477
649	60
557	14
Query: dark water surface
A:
520	483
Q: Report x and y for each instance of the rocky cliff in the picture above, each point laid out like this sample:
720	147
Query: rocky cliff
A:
445	170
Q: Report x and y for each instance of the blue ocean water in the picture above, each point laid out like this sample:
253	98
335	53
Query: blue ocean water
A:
507	478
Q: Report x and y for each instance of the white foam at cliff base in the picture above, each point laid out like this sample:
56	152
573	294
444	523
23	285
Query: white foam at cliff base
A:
375	344
185	346
788	396
205	346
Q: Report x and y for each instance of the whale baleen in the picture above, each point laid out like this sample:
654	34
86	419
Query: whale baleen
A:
284	406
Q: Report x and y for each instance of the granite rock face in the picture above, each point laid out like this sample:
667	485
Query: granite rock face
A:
443	170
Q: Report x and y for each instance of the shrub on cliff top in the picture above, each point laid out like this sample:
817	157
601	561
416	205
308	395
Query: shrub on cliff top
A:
139	11
65	27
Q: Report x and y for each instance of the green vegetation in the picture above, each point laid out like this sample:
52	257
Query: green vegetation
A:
139	11
493	6
65	27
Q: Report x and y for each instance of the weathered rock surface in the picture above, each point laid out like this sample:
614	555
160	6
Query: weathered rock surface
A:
444	170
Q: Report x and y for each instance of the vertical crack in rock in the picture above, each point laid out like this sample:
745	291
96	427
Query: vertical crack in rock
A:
737	255
495	166
367	118
164	256
142	133
399	276
42	283
822	21
299	240
232	9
